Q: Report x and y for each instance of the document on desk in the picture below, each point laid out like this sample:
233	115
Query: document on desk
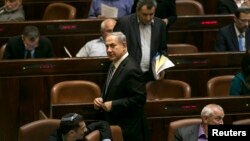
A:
109	11
159	64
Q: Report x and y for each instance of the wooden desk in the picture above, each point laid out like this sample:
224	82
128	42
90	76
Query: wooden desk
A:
160	113
197	30
25	84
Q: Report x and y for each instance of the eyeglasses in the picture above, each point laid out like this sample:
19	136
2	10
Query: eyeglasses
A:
70	118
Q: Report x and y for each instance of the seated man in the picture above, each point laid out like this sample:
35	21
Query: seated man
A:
12	11
235	36
97	47
72	128
124	7
28	45
229	6
211	114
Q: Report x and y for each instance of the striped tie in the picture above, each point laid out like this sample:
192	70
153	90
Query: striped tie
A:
110	73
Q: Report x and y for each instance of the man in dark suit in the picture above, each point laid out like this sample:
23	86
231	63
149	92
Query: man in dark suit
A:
28	45
211	114
229	6
236	36
166	10
123	97
146	35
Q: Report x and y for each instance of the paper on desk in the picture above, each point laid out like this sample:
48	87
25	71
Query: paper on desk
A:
109	11
160	63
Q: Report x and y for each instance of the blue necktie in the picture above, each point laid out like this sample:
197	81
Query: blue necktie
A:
241	44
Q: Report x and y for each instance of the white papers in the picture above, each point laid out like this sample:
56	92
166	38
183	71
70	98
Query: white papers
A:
108	11
160	63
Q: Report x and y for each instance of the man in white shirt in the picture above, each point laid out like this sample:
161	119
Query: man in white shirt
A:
97	47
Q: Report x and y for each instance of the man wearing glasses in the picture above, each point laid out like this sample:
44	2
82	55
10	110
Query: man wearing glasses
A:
72	128
236	36
28	45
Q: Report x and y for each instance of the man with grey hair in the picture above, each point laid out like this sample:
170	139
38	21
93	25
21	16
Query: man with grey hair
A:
211	114
123	97
28	45
146	35
97	47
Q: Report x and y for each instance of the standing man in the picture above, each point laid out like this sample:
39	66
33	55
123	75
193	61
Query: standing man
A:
235	36
146	35
211	114
97	47
123	97
28	45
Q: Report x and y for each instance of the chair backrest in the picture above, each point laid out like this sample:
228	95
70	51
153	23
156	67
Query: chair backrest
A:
242	122
189	7
74	91
59	11
2	49
219	86
180	123
115	130
181	48
160	89
38	130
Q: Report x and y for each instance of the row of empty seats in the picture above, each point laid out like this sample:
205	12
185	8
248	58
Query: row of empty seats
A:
80	91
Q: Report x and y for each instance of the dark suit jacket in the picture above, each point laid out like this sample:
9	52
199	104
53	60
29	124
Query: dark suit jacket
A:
15	48
187	133
226	7
102	126
127	93
130	27
227	39
165	9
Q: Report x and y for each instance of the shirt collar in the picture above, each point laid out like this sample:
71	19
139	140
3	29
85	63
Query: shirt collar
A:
238	32
201	133
116	64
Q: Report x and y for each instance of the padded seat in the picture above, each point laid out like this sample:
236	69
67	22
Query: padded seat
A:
59	11
189	7
181	49
219	86
38	130
160	89
242	122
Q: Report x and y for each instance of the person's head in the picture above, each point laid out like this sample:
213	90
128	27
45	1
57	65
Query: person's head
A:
116	45
107	26
145	10
12	5
242	18
245	67
72	126
30	37
212	114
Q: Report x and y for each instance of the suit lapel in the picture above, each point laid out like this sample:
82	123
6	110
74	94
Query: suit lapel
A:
234	37
116	75
136	29
247	39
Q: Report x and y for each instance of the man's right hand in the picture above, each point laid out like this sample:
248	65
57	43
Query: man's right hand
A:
98	102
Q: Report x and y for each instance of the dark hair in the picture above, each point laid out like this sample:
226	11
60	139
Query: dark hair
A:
148	3
241	10
245	67
70	122
31	32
